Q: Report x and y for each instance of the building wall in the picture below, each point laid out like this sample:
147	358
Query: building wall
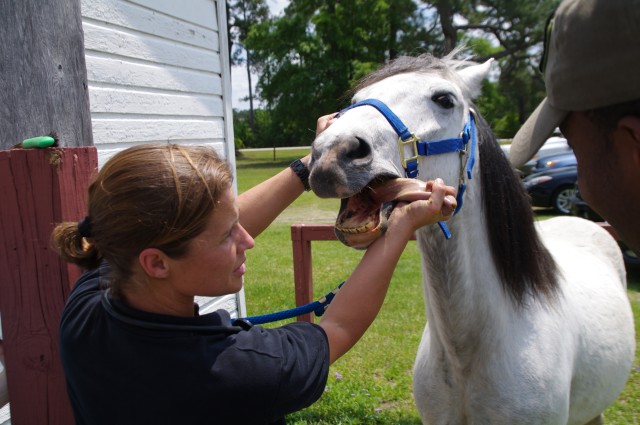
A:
158	71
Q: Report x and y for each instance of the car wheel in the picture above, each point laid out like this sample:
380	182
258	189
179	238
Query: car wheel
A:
561	200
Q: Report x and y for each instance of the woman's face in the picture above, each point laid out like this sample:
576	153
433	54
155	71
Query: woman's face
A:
215	260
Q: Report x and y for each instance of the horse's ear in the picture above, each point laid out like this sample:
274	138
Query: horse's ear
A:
474	75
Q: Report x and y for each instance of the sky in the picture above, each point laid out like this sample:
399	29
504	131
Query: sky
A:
239	82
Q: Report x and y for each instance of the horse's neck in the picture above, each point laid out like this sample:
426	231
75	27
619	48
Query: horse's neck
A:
462	287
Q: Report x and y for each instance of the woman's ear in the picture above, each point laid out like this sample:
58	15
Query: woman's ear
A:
154	263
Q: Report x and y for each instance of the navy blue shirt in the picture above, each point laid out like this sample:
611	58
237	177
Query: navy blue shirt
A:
126	366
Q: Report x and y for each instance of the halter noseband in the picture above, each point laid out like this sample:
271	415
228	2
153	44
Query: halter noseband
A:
406	139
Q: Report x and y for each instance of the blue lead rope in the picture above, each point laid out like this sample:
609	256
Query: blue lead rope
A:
318	307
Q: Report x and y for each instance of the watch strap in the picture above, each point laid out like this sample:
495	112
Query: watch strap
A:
302	172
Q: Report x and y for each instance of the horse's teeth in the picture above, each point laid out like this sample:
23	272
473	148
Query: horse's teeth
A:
353	230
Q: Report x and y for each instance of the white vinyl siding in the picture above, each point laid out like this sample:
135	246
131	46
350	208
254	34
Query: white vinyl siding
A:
158	71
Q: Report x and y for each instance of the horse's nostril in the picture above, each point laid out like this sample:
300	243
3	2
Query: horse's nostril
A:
358	149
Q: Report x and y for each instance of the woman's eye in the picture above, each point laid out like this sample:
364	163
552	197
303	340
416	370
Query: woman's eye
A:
444	100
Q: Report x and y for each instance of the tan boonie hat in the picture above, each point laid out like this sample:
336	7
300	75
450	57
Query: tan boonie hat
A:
591	60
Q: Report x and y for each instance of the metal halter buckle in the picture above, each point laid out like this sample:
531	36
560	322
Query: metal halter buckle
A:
413	141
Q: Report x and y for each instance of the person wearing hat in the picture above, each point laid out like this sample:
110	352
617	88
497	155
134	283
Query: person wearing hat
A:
590	65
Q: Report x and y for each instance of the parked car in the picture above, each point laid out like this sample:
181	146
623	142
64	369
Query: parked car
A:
580	208
556	144
553	188
557	160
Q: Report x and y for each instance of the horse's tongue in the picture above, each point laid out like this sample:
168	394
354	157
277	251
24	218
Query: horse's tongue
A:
363	217
400	190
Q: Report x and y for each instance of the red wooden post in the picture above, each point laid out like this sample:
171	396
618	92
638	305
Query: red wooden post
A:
40	188
302	269
301	237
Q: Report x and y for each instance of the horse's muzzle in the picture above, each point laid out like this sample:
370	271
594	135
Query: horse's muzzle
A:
363	217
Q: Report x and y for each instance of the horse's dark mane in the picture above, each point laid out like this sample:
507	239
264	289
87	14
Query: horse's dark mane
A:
525	265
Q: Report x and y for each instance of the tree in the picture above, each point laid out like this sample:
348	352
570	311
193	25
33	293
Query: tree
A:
311	57
242	15
514	29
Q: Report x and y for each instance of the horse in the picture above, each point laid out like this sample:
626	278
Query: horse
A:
528	322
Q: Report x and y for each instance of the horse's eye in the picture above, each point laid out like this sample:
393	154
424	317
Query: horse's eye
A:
444	100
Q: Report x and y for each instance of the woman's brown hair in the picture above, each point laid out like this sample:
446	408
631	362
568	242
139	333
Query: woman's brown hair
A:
158	195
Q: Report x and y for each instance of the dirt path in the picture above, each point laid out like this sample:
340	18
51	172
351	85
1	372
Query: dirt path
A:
295	215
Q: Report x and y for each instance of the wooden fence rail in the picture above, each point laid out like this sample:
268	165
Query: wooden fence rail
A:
301	237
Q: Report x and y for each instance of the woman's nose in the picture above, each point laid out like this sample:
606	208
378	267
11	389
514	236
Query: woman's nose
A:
247	240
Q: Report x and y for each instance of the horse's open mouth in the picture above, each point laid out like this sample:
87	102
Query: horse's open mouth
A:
363	216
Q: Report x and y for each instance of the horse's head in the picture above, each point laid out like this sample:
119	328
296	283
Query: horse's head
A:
360	151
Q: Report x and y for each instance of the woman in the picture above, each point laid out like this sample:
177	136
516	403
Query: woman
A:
163	226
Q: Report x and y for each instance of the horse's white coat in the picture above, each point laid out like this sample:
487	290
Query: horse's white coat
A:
483	359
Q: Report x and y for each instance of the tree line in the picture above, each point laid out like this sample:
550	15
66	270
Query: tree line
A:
307	59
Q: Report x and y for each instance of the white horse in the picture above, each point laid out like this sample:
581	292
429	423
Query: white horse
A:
527	323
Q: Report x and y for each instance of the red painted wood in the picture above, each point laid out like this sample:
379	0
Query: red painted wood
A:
38	188
301	237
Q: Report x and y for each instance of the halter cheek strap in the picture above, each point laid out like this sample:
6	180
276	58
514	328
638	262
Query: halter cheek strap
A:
408	140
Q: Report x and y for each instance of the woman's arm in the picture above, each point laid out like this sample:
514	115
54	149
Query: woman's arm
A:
356	305
261	204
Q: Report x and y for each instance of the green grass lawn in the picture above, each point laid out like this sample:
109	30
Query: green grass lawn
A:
372	383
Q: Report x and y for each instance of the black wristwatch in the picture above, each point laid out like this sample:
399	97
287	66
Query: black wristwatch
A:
302	172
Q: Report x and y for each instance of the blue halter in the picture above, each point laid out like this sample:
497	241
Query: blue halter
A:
418	148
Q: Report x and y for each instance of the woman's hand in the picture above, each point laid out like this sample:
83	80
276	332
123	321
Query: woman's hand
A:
324	122
438	204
